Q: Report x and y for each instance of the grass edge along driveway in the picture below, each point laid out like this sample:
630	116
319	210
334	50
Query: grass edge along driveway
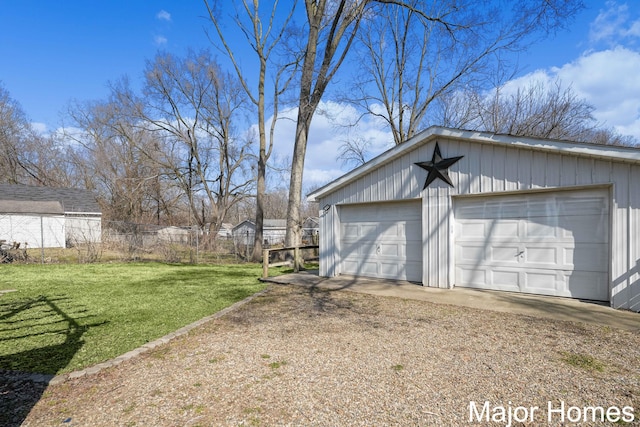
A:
68	317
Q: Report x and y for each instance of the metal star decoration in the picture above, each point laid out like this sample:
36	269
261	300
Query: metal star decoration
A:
438	167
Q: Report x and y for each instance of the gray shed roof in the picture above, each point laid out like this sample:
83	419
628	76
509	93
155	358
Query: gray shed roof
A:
22	207
267	223
275	223
72	199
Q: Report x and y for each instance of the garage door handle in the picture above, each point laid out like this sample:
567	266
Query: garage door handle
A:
520	254
378	249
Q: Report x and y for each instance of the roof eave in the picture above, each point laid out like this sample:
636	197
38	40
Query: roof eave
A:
610	152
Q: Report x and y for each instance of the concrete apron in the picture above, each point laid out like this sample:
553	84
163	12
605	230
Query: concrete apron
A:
557	308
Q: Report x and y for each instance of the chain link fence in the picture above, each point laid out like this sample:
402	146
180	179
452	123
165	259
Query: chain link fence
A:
85	241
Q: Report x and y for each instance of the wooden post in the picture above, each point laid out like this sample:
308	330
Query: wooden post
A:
265	263
296	258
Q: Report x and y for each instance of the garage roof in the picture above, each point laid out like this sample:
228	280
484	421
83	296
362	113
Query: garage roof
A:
610	152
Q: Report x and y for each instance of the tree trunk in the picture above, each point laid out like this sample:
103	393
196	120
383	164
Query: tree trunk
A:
260	193
294	231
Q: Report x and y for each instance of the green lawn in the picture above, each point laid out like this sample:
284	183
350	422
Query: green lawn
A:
67	317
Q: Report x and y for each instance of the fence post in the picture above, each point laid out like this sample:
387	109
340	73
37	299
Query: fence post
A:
296	257
41	239
265	263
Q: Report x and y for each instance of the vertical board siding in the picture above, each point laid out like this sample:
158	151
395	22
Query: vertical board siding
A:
329	240
487	168
569	171
524	169
619	247
34	230
325	240
486	160
538	170
633	294
499	170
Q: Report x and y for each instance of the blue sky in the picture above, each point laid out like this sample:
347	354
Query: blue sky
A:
53	52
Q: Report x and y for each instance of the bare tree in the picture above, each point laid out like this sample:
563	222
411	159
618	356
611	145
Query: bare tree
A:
537	110
191	106
26	157
13	128
355	151
108	159
412	61
263	34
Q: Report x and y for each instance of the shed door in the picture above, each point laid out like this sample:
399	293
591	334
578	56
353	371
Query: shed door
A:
382	240
544	243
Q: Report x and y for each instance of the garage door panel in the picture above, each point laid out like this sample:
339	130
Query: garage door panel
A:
506	279
541	282
471	252
359	267
504	254
349	230
559	240
503	279
413	231
473	229
367	230
389	270
504	228
585	229
580	205
493	209
413	269
472	277
546	255
390	250
541	229
382	240
375	213
355	248
390	231
411	249
587	285
588	257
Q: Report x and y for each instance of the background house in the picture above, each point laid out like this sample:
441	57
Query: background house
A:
310	230
226	231
273	232
518	214
48	217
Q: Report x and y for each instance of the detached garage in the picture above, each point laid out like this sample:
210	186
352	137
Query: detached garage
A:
460	208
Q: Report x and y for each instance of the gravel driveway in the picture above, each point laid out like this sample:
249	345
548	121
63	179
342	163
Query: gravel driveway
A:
298	356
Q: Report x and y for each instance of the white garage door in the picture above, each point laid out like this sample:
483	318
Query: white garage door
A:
382	240
544	243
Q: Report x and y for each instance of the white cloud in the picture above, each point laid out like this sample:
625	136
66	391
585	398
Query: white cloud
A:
39	127
163	15
159	40
606	78
609	81
71	135
614	24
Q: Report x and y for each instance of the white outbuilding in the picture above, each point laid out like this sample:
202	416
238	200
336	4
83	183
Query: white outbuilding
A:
462	208
48	217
